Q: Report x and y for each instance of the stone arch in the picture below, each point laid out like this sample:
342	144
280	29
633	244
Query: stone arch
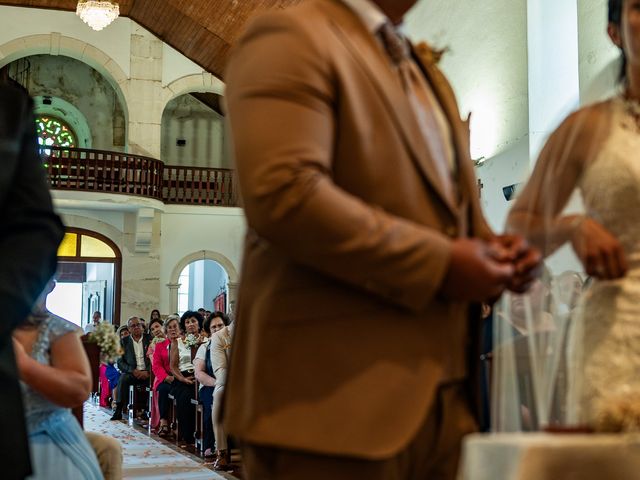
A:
57	44
91	224
198	82
227	264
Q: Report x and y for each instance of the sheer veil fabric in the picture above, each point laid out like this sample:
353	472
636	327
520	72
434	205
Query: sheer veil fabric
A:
567	353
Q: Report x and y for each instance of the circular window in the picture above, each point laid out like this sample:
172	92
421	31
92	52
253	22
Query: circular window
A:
53	132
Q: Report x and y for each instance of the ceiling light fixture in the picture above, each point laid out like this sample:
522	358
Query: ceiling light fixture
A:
97	13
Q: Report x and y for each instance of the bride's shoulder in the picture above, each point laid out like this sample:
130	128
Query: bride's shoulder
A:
587	125
590	117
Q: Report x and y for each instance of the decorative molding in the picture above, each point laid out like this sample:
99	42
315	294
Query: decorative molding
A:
144	230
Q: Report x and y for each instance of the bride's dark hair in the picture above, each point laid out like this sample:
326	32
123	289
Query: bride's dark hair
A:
615	17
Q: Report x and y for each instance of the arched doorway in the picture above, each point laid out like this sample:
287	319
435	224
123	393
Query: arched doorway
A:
203	284
88	278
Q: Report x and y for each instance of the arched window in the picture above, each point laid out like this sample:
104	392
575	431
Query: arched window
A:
53	132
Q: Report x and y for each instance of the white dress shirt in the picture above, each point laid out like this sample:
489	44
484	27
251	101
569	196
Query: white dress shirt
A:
138	348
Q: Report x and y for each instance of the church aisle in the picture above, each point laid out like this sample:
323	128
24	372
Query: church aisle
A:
145	457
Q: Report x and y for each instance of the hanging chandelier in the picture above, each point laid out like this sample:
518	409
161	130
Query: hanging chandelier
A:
97	13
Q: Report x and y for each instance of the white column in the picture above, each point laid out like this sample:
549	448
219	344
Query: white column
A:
554	84
173	297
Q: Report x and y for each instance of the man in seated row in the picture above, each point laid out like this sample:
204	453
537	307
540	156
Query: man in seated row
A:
133	364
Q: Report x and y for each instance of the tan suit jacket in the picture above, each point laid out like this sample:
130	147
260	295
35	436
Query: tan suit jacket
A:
341	340
220	353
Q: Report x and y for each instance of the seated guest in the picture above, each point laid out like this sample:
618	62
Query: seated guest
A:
204	375
123	331
156	331
163	378
133	364
56	377
91	326
155	314
109	376
183	389
220	354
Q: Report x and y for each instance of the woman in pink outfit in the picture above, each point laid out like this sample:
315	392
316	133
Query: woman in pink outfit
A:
162	372
157	331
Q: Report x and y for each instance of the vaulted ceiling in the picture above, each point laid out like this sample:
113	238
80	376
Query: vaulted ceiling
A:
202	30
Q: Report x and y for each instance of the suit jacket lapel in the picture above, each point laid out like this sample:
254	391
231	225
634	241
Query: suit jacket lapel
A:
365	50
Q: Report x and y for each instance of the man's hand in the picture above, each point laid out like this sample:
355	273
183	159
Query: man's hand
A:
169	378
527	260
140	374
478	271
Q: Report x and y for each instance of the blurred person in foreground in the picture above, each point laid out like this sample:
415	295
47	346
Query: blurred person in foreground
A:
366	255
30	233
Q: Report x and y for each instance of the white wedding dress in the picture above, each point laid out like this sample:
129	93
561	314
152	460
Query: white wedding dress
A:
604	339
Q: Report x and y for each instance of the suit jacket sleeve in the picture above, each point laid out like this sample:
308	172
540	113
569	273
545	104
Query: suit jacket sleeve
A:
283	111
124	364
219	358
30	231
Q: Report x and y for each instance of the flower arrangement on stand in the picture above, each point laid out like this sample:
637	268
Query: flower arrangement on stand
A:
108	341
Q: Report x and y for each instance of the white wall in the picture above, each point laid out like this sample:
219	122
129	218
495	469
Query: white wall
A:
16	23
486	64
509	167
599	57
189	119
188	230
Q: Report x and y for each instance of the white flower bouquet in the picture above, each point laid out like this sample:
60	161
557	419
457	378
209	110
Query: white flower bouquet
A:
108	341
192	340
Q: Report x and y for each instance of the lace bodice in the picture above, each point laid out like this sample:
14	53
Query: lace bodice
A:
606	348
611	185
37	408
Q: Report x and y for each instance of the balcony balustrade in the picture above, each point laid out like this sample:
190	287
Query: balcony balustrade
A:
83	169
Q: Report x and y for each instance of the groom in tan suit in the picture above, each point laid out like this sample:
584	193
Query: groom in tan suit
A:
366	249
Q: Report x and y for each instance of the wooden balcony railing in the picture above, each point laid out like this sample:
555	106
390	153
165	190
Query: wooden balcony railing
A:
90	170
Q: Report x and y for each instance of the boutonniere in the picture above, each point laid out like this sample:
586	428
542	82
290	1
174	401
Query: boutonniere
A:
226	346
429	56
191	340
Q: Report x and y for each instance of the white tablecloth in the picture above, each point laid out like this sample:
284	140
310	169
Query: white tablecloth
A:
542	456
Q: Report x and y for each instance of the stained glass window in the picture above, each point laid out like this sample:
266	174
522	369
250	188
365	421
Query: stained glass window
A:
54	132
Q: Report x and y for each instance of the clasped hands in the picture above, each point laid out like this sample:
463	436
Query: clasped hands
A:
140	374
481	270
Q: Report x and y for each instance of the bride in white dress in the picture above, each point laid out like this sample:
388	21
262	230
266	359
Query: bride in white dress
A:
597	151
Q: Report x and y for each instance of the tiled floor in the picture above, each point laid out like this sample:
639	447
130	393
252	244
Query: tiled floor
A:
146	457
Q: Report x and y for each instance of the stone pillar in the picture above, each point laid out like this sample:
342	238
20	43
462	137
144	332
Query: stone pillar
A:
554	84
173	297
145	94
